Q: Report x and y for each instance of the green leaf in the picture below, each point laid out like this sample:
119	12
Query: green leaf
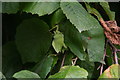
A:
93	11
68	58
0	7
118	53
55	59
94	40
79	16
54	56
111	72
11	59
10	7
109	60
25	74
58	41
41	8
89	66
57	17
106	7
33	39
94	0
70	72
44	66
2	77
73	39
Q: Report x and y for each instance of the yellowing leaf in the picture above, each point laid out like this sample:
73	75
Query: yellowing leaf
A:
112	72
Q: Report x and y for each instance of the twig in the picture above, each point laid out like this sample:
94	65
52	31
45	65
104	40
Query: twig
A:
111	37
111	57
111	45
118	58
107	55
114	51
101	67
104	25
63	60
115	57
74	61
118	50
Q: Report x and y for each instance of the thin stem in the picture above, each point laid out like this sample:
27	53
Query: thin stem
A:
118	58
118	50
101	68
114	51
75	60
111	45
115	57
63	60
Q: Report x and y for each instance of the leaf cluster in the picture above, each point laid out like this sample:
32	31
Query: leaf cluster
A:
48	40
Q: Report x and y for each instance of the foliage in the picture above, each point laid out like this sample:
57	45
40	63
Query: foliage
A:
25	74
56	40
111	72
70	72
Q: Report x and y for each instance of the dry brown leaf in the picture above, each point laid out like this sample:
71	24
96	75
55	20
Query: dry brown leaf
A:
111	30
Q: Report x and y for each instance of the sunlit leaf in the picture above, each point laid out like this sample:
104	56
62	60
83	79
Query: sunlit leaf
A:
112	71
70	72
25	74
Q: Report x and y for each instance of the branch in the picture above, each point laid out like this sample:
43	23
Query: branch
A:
114	51
75	60
118	50
101	67
63	60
